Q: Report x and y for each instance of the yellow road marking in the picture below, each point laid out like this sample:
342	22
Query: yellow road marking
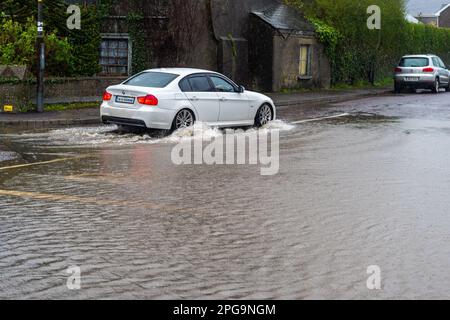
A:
88	200
38	163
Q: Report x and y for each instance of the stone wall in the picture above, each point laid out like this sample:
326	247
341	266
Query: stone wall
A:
286	64
22	94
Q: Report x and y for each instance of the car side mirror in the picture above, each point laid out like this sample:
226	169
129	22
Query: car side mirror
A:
241	89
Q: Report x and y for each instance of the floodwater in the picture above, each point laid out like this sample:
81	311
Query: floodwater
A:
369	188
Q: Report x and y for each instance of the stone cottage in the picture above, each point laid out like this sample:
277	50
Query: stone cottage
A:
262	44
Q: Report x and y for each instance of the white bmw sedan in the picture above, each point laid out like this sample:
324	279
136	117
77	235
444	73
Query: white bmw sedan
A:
176	98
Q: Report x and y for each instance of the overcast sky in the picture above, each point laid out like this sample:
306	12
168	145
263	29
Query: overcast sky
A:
425	6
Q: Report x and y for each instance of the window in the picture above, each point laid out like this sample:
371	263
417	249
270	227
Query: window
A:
200	84
151	79
114	56
222	85
436	62
441	63
305	61
414	62
185	86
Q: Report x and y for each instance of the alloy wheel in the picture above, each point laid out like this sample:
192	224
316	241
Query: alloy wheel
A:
184	119
265	115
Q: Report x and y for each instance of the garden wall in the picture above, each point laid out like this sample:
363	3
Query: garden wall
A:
22	93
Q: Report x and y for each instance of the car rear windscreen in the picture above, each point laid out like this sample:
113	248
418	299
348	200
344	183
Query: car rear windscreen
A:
151	79
414	62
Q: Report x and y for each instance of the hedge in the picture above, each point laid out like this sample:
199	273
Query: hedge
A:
359	54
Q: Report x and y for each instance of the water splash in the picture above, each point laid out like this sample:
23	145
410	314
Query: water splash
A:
108	135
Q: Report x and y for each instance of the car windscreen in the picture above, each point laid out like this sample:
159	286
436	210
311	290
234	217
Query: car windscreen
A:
151	79
414	62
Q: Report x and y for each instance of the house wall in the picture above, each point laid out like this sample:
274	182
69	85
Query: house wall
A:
260	55
202	51
231	27
286	59
444	19
174	37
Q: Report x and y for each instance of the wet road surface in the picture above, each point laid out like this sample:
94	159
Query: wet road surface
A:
370	188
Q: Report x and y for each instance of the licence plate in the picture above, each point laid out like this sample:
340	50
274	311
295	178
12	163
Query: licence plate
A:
411	78
122	99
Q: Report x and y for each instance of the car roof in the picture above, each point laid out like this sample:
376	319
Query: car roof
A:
419	56
180	71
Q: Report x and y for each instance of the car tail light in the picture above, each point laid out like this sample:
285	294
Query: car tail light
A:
398	70
149	100
107	96
428	70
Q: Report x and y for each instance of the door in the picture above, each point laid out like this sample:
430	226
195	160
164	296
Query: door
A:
442	72
445	72
203	97
234	106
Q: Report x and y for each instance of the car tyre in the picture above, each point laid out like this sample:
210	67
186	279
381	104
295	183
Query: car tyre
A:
398	88
447	88
436	86
264	115
184	118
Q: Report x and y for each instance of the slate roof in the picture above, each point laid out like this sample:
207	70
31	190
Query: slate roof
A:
285	18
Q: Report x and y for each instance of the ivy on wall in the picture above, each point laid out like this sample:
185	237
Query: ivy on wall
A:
135	29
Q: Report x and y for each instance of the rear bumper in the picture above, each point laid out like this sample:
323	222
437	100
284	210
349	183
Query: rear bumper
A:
123	121
144	117
424	81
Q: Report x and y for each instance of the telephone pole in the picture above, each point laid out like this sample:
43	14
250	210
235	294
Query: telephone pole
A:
41	64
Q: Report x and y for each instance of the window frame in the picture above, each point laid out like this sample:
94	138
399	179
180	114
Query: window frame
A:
119	36
197	75
308	74
149	71
402	60
230	82
442	64
208	75
436	62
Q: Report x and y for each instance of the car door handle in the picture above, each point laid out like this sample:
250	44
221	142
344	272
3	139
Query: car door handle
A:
194	98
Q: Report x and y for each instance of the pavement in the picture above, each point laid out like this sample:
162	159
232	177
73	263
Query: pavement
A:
92	116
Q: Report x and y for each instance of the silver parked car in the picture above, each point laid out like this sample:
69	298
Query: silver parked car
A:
421	72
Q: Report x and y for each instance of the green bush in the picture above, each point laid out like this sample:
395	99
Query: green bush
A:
17	47
17	43
69	52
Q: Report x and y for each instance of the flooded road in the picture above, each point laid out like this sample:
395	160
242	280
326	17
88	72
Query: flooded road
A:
368	188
